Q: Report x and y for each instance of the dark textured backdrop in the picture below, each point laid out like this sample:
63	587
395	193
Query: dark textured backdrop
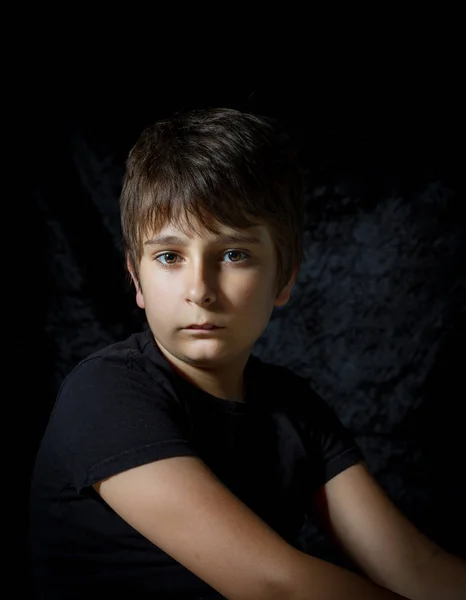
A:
376	321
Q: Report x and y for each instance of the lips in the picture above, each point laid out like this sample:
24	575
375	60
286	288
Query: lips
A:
205	327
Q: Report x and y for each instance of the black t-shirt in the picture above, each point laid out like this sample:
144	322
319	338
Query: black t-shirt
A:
125	406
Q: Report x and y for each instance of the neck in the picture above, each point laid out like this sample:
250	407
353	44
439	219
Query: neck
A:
215	384
224	381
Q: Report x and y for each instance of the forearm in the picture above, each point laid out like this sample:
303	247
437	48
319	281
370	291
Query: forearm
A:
312	578
442	577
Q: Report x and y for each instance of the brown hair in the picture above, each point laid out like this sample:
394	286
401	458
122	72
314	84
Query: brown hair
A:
214	165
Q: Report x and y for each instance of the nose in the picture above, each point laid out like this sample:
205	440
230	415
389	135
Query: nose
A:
200	288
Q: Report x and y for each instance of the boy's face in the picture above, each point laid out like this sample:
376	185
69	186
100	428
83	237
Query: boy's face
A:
227	281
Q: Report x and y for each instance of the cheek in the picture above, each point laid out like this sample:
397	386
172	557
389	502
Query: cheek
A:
252	289
161	298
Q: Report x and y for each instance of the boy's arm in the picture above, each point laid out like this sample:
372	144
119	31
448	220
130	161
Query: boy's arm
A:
179	505
384	543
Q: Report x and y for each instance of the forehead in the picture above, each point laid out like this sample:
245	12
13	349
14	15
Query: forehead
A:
183	232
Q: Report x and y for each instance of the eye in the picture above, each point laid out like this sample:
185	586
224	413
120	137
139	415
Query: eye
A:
235	256
170	258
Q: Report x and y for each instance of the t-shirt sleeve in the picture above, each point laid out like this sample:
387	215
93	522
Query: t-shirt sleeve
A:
331	441
329	445
111	416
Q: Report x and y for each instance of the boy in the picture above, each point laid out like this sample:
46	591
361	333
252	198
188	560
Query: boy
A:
176	464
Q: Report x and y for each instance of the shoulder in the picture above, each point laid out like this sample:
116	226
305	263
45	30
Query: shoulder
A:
123	352
269	373
124	376
282	390
130	359
113	412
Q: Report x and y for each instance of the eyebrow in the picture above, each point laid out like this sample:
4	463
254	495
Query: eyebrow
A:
162	240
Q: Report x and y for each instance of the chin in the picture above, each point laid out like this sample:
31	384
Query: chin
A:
204	359
206	355
202	354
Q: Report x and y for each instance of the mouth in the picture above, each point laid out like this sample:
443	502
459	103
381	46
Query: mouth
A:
204	327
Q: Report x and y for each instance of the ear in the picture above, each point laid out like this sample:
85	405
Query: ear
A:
285	294
139	295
